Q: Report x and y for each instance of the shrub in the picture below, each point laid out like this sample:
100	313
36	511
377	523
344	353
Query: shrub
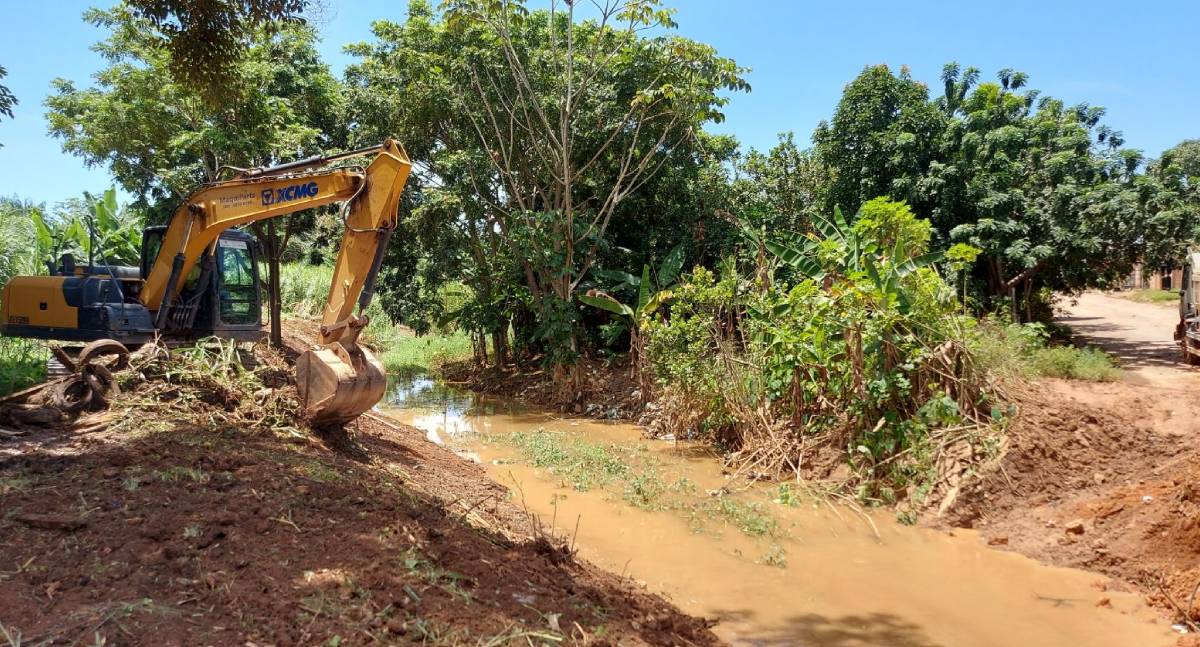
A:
22	364
1091	364
1024	351
864	349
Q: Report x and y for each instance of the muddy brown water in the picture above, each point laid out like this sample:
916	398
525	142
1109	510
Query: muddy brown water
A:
848	580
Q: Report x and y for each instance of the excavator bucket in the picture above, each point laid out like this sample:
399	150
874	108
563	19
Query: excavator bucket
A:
337	385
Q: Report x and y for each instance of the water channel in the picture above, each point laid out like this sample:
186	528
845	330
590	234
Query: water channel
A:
823	576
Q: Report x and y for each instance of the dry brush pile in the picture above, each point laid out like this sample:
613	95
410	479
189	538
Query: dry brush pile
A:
217	383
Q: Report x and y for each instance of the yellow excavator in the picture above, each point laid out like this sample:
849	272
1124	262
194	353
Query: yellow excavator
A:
198	276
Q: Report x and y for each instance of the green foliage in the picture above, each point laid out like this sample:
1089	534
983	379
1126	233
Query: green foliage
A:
19	240
866	346
160	139
404	353
1039	187
205	39
1069	362
652	293
22	364
7	99
30	237
303	289
882	138
115	232
489	109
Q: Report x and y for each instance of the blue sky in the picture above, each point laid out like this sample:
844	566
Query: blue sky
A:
1141	61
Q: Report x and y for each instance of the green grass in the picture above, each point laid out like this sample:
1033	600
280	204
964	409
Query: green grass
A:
1069	362
1021	351
22	364
423	354
302	290
1152	296
634	476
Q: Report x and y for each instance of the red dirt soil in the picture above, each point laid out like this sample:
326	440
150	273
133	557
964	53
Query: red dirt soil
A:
195	532
1106	477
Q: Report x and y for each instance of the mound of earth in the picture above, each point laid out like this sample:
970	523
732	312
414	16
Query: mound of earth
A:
180	524
1091	480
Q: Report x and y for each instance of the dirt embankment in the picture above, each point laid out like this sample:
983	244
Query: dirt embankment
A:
1095	486
1106	477
605	390
152	528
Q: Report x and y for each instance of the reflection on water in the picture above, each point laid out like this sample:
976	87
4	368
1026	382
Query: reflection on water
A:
840	586
441	411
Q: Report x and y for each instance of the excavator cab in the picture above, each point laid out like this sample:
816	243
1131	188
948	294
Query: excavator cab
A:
228	303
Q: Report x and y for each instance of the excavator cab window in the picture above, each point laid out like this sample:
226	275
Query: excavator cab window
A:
238	282
152	240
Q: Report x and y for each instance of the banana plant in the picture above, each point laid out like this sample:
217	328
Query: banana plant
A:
118	238
115	232
844	251
650	296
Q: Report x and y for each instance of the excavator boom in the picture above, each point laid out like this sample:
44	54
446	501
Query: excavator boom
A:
337	380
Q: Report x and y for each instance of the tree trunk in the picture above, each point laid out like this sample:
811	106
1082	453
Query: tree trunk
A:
273	299
500	346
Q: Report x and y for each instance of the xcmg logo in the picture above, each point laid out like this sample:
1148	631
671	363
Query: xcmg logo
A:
289	193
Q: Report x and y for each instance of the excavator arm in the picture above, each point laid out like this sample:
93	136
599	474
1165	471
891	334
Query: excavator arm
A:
337	379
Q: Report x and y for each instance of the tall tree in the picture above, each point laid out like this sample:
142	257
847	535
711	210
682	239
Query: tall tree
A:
881	139
1170	191
205	40
7	100
538	126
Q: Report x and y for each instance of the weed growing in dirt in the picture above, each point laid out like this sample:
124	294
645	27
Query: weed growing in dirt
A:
318	471
449	581
131	482
775	556
15	484
635	476
182	472
787	495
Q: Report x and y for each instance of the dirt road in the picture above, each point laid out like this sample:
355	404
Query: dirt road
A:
1139	335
